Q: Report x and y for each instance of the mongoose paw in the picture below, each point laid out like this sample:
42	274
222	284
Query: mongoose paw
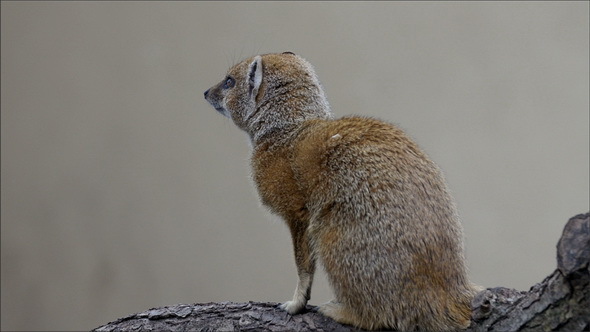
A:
292	307
336	311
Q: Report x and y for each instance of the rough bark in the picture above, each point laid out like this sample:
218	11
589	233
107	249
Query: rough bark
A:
561	302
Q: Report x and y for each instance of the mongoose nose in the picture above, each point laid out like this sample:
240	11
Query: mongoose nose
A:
206	93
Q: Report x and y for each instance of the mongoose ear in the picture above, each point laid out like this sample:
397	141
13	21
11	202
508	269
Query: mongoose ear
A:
255	76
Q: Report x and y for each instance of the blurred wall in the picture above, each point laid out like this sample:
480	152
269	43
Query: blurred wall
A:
123	190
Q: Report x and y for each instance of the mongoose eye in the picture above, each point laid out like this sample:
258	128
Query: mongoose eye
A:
229	83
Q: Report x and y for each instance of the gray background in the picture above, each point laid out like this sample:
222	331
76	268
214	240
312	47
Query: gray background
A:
123	190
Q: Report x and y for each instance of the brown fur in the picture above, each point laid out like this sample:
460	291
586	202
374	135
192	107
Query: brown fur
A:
357	194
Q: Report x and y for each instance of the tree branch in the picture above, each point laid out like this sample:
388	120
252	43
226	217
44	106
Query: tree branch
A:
560	302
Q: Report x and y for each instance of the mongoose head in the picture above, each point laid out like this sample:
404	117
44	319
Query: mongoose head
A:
269	93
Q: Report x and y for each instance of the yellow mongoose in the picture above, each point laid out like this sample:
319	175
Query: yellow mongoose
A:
357	194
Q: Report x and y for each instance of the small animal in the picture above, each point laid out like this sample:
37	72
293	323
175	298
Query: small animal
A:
357	194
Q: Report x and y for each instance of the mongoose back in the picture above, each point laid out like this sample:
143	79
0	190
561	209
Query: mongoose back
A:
357	194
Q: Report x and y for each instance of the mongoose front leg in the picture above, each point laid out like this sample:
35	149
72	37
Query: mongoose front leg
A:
305	270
